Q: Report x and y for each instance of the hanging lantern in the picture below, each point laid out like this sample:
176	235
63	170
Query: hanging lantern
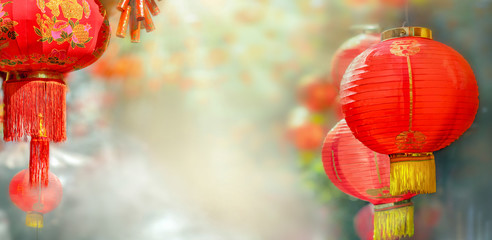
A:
317	93
306	131
35	200
43	40
351	49
409	96
362	173
39	45
136	15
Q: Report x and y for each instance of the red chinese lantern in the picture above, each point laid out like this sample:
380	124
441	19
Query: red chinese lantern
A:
351	49
409	96
41	41
362	173
39	45
35	200
317	93
136	15
364	222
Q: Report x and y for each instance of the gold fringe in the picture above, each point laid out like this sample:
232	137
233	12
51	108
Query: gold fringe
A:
412	175
393	223
34	220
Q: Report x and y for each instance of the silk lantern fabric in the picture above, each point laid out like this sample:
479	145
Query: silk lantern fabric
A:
408	97
347	52
35	200
362	173
40	41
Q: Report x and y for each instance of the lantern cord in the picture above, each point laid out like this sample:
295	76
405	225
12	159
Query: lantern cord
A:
406	22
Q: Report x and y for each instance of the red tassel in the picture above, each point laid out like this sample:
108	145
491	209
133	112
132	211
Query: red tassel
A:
39	161
27	100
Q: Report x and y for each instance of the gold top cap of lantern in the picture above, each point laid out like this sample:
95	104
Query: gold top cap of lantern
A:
406	32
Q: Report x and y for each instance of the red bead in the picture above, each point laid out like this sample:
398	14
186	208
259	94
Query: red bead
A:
35	199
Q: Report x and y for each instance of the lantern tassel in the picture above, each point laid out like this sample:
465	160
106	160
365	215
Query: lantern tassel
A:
26	97
39	162
34	220
394	220
412	173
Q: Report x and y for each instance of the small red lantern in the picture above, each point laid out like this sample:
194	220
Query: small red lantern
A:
35	200
358	171
351	49
409	96
364	222
317	93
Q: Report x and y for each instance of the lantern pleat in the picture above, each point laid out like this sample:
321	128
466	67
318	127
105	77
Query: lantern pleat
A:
409	95
39	161
362	173
29	100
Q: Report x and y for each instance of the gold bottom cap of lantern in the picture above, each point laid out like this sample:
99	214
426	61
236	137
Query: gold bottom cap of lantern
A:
393	220
34	220
412	173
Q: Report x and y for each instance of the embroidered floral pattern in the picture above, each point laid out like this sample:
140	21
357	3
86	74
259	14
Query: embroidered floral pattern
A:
105	29
64	25
6	27
56	57
13	62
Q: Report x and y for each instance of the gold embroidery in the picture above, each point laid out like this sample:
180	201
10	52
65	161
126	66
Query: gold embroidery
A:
334	167
404	48
7	32
13	62
56	57
379	192
70	8
377	167
408	140
61	30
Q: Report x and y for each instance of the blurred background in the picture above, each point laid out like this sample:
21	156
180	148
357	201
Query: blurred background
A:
203	131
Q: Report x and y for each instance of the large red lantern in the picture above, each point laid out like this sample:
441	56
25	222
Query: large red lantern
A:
41	41
350	49
409	96
362	173
35	200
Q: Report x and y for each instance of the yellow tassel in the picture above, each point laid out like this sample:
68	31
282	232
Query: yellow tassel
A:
395	221
34	220
412	173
